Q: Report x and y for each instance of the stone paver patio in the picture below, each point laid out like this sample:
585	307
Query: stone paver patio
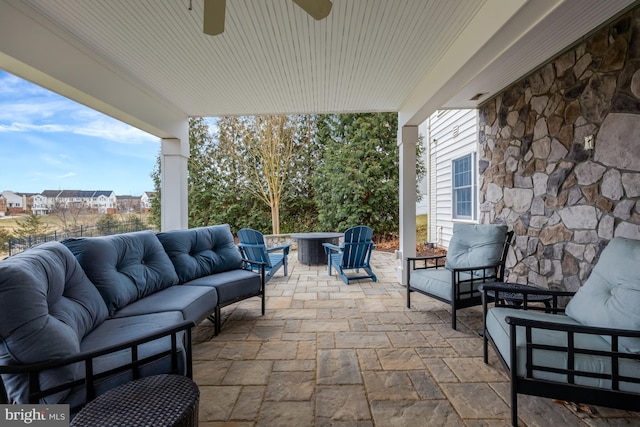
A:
328	354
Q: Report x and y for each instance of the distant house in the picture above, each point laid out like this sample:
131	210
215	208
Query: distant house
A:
3	205
16	204
127	204
451	184
39	206
146	200
100	201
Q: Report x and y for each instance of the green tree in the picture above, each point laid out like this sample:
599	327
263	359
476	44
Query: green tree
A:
108	224
32	225
299	213
216	183
5	236
357	178
265	153
154	211
134	221
342	170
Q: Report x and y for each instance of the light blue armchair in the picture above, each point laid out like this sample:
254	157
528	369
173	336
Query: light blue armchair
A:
476	256
588	352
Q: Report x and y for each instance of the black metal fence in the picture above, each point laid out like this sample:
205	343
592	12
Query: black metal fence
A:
106	228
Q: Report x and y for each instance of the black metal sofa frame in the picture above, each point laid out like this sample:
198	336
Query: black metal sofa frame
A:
181	331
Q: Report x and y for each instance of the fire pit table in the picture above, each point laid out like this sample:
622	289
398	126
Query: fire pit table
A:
310	249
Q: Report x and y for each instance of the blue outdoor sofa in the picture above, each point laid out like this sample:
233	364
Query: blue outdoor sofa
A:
80	317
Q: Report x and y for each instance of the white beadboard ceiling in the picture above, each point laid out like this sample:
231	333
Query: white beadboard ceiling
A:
367	55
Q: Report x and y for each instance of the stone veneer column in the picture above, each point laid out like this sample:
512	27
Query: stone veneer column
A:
564	201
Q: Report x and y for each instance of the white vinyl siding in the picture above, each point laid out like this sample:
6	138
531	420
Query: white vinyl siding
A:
456	135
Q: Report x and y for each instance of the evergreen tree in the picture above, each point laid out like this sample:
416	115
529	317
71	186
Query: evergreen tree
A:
5	236
228	200
357	179
32	225
341	170
299	213
108	224
155	211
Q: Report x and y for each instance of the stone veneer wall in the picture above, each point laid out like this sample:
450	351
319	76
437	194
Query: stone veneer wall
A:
565	202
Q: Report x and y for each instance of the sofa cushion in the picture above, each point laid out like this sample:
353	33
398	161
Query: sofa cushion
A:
194	302
475	245
611	295
232	285
47	306
115	331
124	267
199	252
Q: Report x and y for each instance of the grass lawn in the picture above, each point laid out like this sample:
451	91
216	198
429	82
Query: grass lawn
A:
422	229
51	222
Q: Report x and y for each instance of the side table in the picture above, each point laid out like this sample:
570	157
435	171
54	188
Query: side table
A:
160	400
517	298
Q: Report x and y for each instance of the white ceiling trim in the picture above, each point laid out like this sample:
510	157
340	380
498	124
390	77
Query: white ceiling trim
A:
147	62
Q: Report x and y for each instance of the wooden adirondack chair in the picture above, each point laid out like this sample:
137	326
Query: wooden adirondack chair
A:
354	254
253	248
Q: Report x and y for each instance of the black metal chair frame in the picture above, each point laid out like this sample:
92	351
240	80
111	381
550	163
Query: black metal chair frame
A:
459	298
216	317
246	265
33	370
568	390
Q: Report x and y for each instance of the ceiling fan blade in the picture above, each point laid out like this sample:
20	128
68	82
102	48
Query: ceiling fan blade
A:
213	21
318	9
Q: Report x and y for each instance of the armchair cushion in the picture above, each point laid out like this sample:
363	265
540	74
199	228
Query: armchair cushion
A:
438	282
611	295
475	245
124	267
498	329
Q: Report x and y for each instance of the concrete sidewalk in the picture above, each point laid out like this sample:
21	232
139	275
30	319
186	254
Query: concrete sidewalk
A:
328	354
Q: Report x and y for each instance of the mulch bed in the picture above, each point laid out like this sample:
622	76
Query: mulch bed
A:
421	250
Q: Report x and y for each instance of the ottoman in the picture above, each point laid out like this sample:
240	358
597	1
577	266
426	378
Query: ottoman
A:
159	400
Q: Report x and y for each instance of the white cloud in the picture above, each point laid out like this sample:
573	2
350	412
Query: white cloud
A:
106	129
113	130
12	85
25	127
31	108
66	175
52	161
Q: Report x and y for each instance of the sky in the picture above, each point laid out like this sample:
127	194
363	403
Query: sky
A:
48	142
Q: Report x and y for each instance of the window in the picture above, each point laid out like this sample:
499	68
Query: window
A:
464	187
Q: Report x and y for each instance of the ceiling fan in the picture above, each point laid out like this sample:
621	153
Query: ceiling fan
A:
213	23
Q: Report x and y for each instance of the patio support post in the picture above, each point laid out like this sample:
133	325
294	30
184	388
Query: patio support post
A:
407	142
174	186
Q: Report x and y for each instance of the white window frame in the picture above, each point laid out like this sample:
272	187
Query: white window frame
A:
472	185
